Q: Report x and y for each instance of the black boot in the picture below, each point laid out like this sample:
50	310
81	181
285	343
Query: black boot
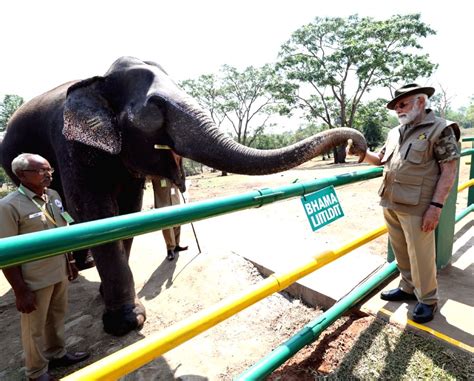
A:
180	248
170	255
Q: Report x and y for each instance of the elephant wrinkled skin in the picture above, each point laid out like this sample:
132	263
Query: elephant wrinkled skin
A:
100	136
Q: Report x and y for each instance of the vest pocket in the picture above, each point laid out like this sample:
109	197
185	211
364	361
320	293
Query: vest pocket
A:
382	186
416	151
407	189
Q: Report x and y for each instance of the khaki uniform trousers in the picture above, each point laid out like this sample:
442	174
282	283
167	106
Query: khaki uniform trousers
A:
166	196
415	253
42	331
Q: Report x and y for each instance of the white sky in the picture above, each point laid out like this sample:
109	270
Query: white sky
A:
47	42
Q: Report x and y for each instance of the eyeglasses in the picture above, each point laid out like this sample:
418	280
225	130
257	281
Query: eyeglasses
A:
41	171
402	105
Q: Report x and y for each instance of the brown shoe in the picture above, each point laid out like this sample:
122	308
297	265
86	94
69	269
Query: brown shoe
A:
68	359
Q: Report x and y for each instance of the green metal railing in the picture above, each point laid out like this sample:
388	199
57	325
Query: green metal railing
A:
470	196
33	246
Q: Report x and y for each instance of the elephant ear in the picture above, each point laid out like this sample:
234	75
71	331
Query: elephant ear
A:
88	118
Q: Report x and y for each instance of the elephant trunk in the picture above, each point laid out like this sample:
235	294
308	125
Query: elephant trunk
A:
196	137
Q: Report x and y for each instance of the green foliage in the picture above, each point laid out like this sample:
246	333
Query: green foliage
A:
9	105
192	167
331	63
469	115
271	141
464	116
207	90
4	179
372	119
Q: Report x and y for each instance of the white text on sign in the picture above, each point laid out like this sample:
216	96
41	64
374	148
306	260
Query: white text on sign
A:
322	207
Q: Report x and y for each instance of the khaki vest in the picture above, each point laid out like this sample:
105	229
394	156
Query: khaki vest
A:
411	171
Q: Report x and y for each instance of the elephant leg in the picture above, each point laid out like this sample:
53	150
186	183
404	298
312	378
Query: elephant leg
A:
128	316
127	244
97	186
130	201
122	314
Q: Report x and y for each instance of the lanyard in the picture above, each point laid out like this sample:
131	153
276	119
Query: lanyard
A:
42	208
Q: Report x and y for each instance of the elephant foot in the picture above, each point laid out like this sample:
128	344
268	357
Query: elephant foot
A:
127	318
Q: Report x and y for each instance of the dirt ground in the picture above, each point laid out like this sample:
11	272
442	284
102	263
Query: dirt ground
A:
172	291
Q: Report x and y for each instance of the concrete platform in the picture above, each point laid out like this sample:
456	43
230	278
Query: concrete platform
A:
454	322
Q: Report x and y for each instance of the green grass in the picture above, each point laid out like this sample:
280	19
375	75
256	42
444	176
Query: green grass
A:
384	352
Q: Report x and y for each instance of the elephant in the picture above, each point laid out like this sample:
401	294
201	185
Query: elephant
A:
101	134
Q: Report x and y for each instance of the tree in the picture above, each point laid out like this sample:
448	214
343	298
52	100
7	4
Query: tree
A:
441	102
240	99
208	93
373	120
469	119
9	105
332	63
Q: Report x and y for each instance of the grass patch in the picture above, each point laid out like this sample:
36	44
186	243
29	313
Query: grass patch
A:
383	352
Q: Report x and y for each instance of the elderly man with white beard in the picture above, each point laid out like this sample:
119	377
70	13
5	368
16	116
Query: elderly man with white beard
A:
419	159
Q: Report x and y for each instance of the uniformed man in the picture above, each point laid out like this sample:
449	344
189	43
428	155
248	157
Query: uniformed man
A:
166	193
40	287
420	164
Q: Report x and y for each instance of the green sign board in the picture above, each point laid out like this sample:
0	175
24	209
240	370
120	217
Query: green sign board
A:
322	207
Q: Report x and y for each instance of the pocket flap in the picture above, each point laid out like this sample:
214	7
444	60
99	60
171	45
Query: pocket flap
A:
407	179
420	145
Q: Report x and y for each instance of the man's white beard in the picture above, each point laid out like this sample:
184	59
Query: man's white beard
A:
409	116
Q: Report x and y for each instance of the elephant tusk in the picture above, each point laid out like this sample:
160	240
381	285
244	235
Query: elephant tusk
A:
161	146
349	143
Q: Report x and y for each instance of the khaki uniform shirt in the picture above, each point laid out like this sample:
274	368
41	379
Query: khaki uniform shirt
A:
165	191
20	215
411	158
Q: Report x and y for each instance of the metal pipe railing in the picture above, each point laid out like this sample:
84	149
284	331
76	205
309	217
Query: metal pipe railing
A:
470	196
33	246
467	151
